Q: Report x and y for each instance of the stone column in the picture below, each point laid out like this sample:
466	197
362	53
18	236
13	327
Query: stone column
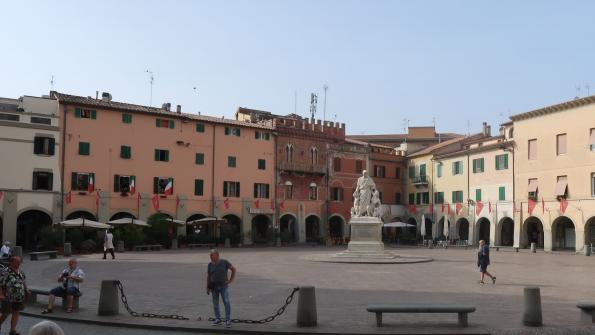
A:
9	220
495	233
301	223
182	214
547	240
246	221
579	239
145	206
518	224
104	205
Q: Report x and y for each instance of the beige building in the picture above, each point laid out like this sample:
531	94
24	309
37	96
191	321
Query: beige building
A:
554	169
30	178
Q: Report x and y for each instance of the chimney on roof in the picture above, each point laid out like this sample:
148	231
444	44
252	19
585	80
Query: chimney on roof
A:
487	129
179	109
106	96
96	95
166	106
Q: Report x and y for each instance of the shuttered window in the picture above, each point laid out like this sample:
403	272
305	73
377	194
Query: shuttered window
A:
125	152
84	148
199	187
561	144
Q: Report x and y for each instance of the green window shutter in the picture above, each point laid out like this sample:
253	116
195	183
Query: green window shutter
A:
124	118
482	167
155	185
255	190
226	130
267	191
77	112
454	166
200	128
84	148
267	136
116	183
475	166
262	164
502	193
257	135
411	172
52	146
454	196
198	187
478	194
94	114
238	132
439	170
200	158
461	167
156	154
171	124
74	181
505	161
166	155
157	123
238	189
422	170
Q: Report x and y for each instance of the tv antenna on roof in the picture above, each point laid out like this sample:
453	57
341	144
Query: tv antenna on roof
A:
52	83
313	103
151	80
325	88
587	87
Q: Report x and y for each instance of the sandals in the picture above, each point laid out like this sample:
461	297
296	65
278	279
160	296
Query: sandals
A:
47	311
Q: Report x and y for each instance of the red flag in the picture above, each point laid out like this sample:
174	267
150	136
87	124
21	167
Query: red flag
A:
257	203
91	185
413	209
68	197
155	201
478	207
542	206
226	203
563	205
458	207
97	199
1	195
490	207
431	209
169	188
442	207
531	206
448	208
282	204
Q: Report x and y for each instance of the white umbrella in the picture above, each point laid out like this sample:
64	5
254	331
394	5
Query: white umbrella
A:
445	227
83	223
131	221
206	220
398	224
172	220
423	226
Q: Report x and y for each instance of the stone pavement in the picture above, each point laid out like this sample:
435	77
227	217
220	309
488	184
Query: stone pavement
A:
173	282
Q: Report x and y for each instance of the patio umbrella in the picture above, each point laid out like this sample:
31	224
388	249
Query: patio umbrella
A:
423	226
83	223
446	227
130	221
398	224
172	220
209	219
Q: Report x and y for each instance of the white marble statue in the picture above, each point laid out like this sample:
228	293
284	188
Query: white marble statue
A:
366	198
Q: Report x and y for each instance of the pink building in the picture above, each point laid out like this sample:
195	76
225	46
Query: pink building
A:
124	160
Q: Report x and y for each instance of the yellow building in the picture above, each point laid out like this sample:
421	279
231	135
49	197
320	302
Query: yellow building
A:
554	175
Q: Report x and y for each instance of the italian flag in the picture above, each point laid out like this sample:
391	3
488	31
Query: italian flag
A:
132	185
91	186
169	188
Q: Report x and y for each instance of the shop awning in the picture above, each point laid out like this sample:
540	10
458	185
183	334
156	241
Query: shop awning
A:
561	186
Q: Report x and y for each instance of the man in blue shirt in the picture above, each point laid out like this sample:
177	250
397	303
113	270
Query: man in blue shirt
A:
70	279
217	283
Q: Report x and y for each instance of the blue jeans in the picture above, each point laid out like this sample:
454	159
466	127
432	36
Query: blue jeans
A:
224	292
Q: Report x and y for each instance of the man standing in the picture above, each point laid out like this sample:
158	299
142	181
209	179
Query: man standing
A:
13	290
5	251
108	244
217	283
483	260
70	279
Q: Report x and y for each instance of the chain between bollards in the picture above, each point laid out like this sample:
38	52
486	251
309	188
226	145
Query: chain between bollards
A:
146	315
280	311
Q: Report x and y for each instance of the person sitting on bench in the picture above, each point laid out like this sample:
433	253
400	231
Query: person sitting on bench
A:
70	279
5	251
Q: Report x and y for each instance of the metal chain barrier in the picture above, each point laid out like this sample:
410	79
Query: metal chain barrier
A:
280	311
145	315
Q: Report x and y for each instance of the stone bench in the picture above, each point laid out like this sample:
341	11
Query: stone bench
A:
199	245
587	311
148	247
461	310
35	291
35	255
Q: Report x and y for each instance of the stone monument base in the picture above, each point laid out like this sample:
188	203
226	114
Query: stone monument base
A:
366	239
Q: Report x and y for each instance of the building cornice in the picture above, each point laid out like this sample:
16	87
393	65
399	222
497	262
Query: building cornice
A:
554	108
499	145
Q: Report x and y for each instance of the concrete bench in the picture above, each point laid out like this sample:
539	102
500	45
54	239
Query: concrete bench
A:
148	247
461	310
35	291
587	311
199	245
35	255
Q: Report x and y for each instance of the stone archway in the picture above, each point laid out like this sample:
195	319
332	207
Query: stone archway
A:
231	229
312	228
483	230
589	232
505	233
288	228
122	215
199	233
81	214
563	234
532	232
262	229
462	227
29	226
335	225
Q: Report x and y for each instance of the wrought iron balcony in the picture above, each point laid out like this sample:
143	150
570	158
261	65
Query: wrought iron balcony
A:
420	180
302	167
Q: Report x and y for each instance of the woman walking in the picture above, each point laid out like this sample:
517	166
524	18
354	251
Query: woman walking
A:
483	260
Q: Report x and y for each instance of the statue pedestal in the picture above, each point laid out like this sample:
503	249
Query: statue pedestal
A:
366	239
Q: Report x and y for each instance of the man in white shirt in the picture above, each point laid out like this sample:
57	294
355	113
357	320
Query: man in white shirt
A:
5	251
108	244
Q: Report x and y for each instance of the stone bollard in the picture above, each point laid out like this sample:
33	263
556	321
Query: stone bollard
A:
516	249
533	247
532	313
17	251
587	249
227	243
174	244
67	249
120	246
306	313
108	298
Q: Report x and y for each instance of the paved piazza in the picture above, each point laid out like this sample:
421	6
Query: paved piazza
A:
174	282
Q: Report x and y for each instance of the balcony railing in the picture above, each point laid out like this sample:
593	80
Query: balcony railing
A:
302	167
420	180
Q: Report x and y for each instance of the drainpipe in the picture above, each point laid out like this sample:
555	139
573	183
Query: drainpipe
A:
469	197
213	173
63	153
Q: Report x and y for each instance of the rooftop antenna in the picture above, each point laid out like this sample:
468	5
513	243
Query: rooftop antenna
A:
468	127
151	80
195	89
325	88
313	103
578	91
587	87
405	128
434	122
295	102
52	83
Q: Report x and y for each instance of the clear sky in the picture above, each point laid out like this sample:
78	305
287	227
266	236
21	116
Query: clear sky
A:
459	62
